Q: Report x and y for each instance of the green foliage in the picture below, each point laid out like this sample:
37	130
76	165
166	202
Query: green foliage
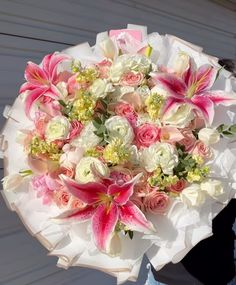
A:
227	131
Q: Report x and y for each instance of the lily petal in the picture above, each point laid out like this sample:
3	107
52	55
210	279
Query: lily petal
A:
221	97
171	104
76	215
103	225
205	106
50	63
89	193
175	85
205	77
134	219
33	96
35	74
123	192
27	86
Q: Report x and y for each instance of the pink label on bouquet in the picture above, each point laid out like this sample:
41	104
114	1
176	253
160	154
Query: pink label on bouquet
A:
134	33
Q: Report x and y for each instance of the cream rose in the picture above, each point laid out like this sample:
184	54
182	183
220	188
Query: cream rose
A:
100	88
119	127
127	62
87	138
83	172
193	195
180	116
159	155
12	182
209	136
57	129
213	187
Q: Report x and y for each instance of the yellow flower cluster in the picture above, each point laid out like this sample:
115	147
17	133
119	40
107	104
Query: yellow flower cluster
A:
87	75
93	152
197	174
158	179
83	107
40	147
116	152
154	103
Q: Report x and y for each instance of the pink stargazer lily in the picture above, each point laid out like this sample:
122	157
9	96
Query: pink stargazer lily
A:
107	203
41	80
193	88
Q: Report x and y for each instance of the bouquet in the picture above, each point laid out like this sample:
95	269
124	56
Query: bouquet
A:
121	149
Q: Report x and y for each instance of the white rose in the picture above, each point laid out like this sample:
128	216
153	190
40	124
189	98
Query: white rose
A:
193	195
209	136
127	62
159	155
180	116
58	128
100	88
87	138
12	182
213	187
83	172
119	127
181	62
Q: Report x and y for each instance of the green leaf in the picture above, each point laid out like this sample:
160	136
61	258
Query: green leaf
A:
131	234
62	103
227	133
221	128
232	128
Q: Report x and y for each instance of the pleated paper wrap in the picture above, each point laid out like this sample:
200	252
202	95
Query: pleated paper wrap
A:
177	232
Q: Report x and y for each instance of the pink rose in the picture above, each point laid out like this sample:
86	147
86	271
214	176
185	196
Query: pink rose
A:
201	149
104	67
197	123
75	129
61	198
178	186
120	175
43	191
127	111
189	139
131	78
156	202
147	134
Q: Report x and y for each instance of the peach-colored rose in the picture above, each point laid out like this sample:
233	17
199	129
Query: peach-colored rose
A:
178	186
197	123
75	129
131	78
76	203
156	202
127	111
138	201
40	122
147	134
201	149
104	67
134	99
189	139
61	198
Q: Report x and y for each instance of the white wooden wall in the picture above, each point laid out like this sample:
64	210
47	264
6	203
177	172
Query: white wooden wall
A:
29	29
